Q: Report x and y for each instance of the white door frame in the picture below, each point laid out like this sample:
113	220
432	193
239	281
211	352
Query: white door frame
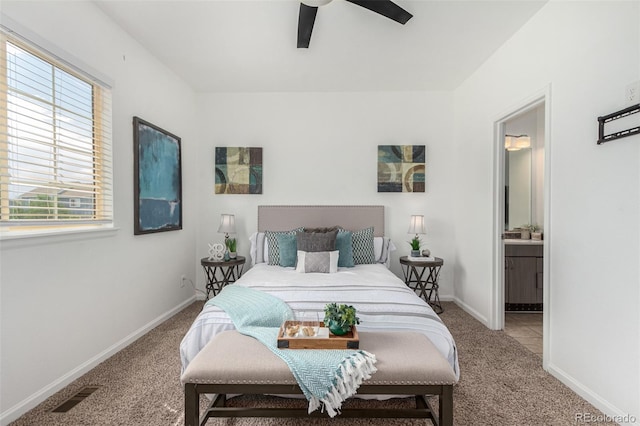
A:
496	319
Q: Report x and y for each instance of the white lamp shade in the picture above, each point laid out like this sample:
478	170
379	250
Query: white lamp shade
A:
416	226
227	224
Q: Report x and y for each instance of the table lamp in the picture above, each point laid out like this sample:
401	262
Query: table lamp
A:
416	226
228	226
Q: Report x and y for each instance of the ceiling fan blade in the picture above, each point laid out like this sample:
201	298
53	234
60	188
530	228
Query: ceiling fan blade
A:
306	19
385	8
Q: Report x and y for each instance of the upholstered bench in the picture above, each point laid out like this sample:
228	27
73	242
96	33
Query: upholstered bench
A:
407	362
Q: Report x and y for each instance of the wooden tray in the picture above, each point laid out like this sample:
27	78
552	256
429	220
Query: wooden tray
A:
348	341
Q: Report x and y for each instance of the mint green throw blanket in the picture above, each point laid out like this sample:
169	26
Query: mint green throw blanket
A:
326	376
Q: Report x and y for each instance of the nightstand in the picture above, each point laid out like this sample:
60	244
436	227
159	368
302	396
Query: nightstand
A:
220	273
422	275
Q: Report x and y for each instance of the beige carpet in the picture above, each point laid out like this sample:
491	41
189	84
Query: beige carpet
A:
502	383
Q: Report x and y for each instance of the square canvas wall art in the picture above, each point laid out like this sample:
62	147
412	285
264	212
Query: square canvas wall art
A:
401	168
157	179
238	170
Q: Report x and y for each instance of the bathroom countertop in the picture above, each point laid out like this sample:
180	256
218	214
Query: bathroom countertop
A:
524	242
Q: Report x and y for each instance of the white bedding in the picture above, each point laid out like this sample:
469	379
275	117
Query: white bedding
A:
382	300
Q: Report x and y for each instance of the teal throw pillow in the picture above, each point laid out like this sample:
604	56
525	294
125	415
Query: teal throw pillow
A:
288	248
344	246
272	244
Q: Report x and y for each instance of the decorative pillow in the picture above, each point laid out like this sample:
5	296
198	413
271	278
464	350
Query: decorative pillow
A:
321	230
316	241
363	251
256	249
288	249
272	244
381	247
320	261
344	243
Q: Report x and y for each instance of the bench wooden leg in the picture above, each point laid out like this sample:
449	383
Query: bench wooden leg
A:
191	405
218	408
445	405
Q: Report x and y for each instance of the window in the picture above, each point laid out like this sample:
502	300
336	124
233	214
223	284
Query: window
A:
55	144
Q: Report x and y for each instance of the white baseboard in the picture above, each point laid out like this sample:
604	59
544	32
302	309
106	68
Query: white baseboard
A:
32	401
614	413
609	410
468	309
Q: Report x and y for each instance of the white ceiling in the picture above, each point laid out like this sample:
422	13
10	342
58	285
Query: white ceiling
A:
250	45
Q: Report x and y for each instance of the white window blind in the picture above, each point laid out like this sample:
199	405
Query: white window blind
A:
55	146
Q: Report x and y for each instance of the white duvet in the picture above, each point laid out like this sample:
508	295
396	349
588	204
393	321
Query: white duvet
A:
382	300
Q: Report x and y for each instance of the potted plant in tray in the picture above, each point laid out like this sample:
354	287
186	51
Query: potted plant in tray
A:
340	318
231	247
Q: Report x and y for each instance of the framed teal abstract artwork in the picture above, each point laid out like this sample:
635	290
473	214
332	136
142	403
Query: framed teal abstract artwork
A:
157	179
238	170
401	168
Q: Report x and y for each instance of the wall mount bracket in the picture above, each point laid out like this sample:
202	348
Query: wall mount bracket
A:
602	138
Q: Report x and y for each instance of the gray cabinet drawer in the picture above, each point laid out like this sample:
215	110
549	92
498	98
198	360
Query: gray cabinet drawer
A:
516	250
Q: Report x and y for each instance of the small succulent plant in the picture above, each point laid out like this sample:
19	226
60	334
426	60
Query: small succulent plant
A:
343	315
415	243
231	245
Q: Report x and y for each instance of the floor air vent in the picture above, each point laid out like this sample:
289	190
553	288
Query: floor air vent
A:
75	399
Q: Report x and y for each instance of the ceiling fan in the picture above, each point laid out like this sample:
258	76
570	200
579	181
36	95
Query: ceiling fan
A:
309	9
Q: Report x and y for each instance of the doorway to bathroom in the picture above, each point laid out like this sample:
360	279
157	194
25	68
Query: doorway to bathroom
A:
521	225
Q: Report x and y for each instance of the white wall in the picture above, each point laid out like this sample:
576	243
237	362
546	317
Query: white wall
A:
321	148
66	304
587	52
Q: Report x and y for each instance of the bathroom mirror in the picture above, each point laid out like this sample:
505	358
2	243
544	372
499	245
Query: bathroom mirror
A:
517	188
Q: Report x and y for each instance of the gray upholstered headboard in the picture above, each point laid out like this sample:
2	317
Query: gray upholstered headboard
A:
352	218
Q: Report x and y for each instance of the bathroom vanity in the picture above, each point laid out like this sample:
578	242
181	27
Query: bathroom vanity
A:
523	275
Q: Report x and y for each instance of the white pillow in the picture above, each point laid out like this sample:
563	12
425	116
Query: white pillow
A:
258	249
319	261
378	243
382	248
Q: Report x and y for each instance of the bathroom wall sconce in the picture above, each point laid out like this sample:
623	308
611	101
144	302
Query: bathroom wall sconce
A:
516	142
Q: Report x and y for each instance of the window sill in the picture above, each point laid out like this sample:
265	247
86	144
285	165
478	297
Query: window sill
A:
24	239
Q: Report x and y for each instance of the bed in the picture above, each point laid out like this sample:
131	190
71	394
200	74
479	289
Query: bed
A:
382	300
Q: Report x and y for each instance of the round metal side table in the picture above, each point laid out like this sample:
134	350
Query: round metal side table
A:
422	276
220	273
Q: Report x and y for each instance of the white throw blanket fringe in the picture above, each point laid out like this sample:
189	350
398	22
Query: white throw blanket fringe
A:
355	369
